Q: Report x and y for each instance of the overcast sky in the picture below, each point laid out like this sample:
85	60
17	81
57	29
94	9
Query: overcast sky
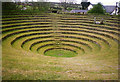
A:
104	2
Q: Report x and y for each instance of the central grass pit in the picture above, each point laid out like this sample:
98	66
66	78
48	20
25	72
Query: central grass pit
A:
60	53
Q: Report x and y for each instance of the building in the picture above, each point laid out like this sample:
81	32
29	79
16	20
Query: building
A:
91	6
110	9
79	11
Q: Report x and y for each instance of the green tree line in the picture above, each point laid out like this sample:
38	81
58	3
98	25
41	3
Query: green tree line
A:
25	6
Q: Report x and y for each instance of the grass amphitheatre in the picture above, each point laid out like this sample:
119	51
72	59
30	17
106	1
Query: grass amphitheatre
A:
59	47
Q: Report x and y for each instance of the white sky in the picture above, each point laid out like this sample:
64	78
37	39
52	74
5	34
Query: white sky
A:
104	2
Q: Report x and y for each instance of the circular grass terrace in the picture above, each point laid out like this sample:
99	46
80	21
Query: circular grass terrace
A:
60	28
60	52
62	36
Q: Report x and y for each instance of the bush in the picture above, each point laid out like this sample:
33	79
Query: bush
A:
8	6
97	9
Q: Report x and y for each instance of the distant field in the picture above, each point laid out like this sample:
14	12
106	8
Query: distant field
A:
59	47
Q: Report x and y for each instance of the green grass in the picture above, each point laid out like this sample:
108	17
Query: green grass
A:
58	64
60	53
21	65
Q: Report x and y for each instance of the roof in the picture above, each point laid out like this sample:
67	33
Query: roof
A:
93	4
109	9
76	11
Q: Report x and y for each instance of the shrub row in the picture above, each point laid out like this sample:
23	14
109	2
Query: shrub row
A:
105	35
98	26
24	32
92	29
85	39
87	36
26	35
39	43
23	19
62	44
25	24
13	29
30	39
59	48
16	16
26	21
77	42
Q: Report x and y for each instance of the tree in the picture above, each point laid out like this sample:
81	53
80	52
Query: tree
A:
65	3
8	6
85	5
41	5
68	1
18	5
97	9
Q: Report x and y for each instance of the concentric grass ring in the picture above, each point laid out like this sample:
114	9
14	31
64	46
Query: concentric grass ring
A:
47	33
